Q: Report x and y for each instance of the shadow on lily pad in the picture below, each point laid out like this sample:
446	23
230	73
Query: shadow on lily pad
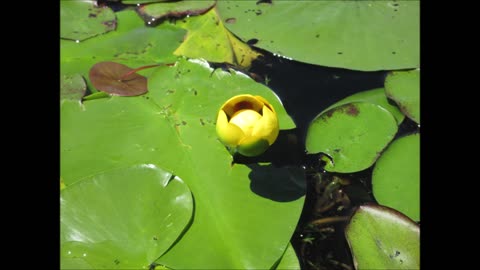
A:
277	184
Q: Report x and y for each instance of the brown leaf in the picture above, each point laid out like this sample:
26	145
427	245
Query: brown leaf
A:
114	79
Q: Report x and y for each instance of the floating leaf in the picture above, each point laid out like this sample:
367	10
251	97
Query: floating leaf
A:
117	79
289	260
72	87
382	238
360	35
396	176
376	96
81	19
208	38
353	135
404	88
123	218
132	44
178	9
173	126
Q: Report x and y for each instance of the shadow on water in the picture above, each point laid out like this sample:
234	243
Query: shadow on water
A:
306	89
283	184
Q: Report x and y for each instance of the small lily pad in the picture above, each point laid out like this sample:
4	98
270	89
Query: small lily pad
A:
382	238
117	79
122	218
404	88
353	135
376	96
396	176
72	87
80	20
178	9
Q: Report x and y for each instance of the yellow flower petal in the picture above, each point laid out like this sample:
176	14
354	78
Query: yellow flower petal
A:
228	134
252	146
264	101
240	102
245	120
267	127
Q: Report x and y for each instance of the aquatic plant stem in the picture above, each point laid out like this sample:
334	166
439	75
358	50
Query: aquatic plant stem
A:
328	220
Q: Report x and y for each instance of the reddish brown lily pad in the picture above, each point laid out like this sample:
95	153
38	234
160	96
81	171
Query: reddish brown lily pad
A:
117	79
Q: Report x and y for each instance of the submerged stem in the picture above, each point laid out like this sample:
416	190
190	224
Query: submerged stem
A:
328	220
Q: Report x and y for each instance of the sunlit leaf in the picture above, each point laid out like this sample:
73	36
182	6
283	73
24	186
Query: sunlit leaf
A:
376	96
360	35
173	126
382	238
289	260
404	88
208	38
396	176
176	9
80	19
353	135
132	44
122	218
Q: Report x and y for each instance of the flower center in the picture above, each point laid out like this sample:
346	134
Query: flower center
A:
245	120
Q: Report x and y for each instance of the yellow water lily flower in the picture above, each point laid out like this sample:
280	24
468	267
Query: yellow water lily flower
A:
247	124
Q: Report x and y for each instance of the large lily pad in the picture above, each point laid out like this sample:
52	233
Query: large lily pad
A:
123	218
376	96
382	238
404	88
173	126
80	19
209	39
360	35
396	176
132	44
353	135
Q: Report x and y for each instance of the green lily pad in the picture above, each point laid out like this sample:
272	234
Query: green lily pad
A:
173	126
132	44
353	135
178	9
396	176
80	19
376	96
72	87
382	238
360	35
208	38
289	260
404	88
122	218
